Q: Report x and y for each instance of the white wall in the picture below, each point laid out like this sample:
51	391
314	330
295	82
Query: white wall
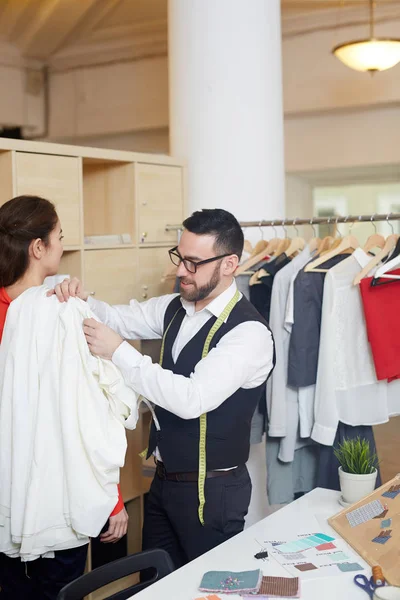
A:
109	99
22	97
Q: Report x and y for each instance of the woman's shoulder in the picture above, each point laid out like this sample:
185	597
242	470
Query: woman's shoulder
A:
4	297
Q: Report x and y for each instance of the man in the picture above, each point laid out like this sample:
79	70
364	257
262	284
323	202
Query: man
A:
217	353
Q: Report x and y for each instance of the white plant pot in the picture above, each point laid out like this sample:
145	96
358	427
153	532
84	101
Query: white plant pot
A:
354	487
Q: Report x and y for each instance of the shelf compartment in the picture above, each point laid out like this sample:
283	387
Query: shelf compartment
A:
108	198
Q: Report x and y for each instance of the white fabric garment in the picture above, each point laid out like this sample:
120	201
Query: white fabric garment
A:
347	389
243	357
279	394
62	438
283	400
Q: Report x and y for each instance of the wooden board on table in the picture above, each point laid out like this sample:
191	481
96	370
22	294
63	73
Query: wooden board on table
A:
360	537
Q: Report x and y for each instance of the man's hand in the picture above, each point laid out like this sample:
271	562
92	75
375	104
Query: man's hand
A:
69	288
102	340
118	526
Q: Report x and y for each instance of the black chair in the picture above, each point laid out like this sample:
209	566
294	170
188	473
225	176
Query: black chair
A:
90	582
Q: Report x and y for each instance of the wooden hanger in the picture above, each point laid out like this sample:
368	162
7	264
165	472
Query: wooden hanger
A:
283	245
255	278
374	241
272	246
314	244
390	243
259	247
247	247
347	243
326	244
296	245
258	254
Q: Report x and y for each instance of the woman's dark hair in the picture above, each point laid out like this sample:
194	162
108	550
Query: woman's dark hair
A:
222	224
22	219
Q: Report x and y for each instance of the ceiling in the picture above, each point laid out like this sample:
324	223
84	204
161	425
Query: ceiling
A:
45	29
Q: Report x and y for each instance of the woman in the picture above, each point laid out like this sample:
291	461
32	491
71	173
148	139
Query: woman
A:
30	250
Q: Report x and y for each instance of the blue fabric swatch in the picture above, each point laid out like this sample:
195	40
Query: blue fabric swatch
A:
381	540
230	582
347	567
391	495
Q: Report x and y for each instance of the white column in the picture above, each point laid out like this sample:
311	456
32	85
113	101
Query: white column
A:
226	121
226	115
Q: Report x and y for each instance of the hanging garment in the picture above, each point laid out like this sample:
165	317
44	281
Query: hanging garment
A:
260	294
62	418
291	461
347	389
305	395
381	309
304	339
286	480
281	399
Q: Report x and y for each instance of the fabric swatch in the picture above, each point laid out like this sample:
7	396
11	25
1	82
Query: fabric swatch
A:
338	556
294	556
347	567
279	587
392	492
381	540
305	567
386	523
391	495
383	537
328	546
365	513
230	582
304	543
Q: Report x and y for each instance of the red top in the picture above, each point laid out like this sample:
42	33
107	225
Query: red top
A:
381	308
5	302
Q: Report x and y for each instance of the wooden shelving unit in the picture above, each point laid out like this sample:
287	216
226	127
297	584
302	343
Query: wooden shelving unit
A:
107	192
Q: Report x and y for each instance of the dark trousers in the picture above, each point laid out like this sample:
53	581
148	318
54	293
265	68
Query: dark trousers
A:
40	579
171	517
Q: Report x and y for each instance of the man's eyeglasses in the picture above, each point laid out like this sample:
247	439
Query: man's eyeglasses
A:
190	265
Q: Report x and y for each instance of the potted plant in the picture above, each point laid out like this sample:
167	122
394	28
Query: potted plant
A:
358	469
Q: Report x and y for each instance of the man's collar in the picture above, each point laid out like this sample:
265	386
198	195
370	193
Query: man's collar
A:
216	306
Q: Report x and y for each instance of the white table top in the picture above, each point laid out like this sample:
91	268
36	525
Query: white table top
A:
306	515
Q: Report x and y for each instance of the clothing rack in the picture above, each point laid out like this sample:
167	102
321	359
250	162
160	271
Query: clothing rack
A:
313	221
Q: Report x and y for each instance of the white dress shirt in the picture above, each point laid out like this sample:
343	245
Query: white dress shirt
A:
347	389
243	357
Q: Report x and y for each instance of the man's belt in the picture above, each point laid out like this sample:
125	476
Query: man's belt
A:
191	476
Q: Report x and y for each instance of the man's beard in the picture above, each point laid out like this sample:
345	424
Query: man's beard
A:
194	293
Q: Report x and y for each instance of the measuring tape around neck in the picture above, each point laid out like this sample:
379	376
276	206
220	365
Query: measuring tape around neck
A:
203	418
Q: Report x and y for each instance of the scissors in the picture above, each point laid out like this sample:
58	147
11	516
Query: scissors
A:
367	585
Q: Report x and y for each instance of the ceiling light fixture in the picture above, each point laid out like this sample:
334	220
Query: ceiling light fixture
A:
372	54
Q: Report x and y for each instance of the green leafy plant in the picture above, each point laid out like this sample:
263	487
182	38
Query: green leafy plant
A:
355	456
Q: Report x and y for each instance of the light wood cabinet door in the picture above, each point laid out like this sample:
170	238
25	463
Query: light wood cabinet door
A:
153	264
159	193
58	179
110	274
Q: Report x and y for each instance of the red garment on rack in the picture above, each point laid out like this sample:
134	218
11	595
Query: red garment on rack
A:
5	302
382	314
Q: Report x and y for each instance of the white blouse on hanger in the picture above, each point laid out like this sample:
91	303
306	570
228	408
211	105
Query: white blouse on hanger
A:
347	389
